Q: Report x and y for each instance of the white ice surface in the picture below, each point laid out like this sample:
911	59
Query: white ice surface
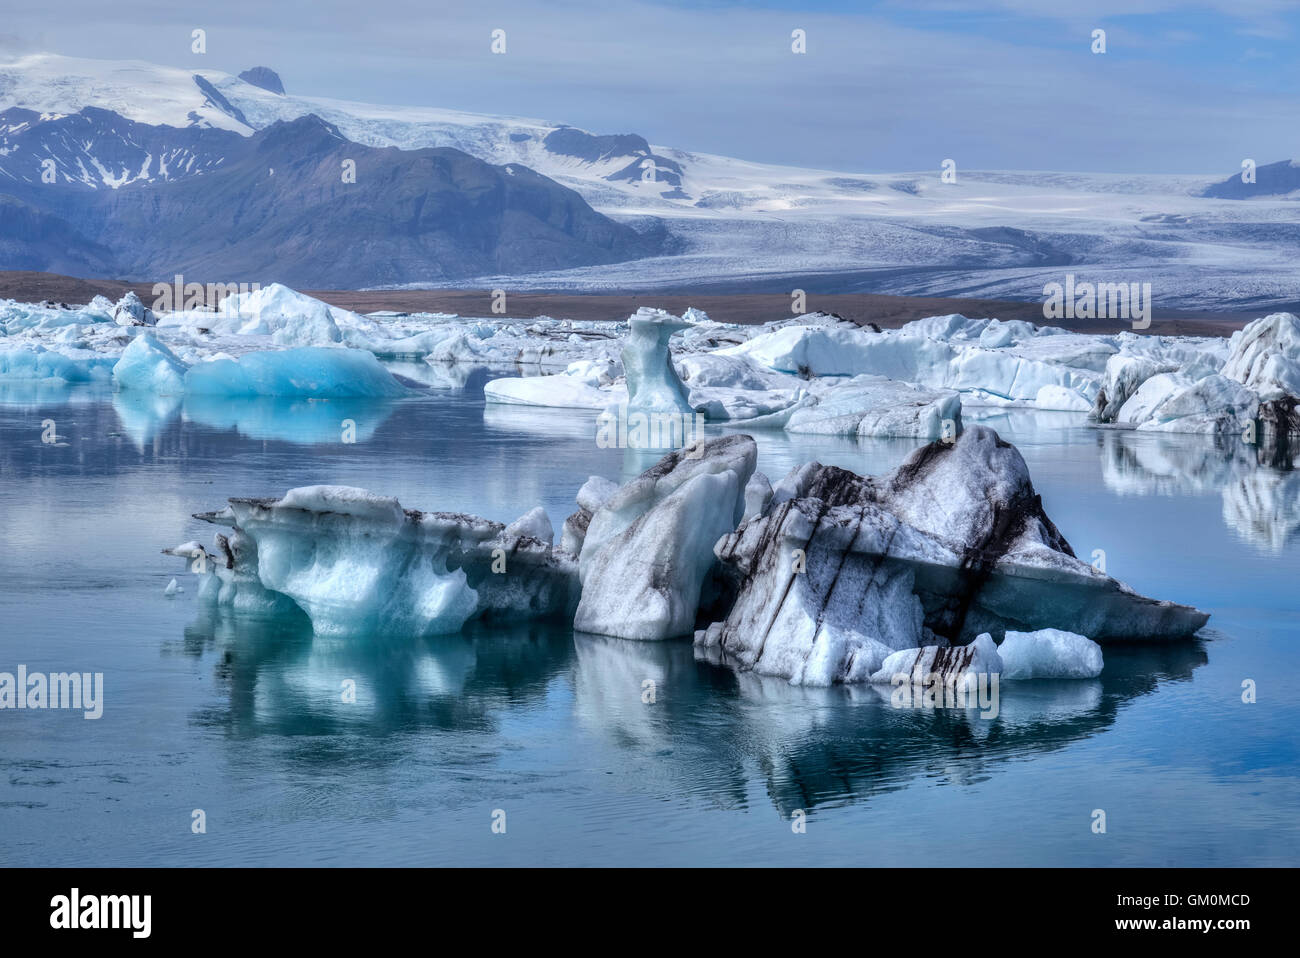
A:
1049	654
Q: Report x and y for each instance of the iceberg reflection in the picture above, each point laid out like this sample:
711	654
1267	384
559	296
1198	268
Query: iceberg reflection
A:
143	416
1260	487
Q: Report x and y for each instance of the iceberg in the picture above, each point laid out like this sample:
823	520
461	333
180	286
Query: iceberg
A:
129	311
652	383
356	562
1124	374
562	391
39	363
311	371
1171	402
875	406
1265	356
149	366
842	570
648	547
319	372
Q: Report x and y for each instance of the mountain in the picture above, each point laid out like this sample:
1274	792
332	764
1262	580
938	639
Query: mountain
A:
147	200
36	239
265	78
703	222
1272	179
98	149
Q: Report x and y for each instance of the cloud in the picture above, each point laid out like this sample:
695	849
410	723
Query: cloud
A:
873	92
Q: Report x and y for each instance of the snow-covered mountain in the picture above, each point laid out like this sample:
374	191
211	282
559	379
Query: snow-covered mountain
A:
733	224
98	193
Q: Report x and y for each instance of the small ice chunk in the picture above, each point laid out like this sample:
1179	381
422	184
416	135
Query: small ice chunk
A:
149	366
172	588
344	500
952	665
758	493
1049	654
595	492
535	523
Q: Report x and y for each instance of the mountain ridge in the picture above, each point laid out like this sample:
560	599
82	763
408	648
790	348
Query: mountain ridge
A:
338	212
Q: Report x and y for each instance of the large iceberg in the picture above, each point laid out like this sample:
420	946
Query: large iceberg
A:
358	563
841	570
309	371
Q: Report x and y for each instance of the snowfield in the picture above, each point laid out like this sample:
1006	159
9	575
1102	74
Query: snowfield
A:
990	234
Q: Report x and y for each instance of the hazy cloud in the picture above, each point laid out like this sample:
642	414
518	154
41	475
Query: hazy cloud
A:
1006	84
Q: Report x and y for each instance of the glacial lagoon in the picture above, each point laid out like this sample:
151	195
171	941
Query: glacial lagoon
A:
244	719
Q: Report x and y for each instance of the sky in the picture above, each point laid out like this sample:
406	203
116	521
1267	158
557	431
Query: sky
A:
894	85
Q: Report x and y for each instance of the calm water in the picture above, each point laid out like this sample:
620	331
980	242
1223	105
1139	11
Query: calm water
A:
245	721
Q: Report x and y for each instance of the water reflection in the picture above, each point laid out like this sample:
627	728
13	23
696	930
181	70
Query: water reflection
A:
281	680
1260	488
657	712
144	416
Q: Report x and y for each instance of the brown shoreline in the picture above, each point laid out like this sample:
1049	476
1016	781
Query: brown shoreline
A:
888	312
